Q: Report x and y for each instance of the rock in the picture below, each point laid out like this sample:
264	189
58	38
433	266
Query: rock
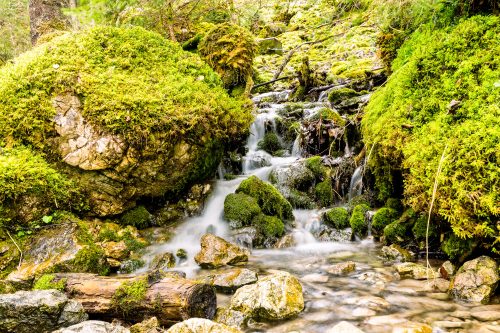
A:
431	285
344	327
447	270
296	176
415	271
47	310
258	159
116	250
150	325
231	318
216	252
286	242
411	327
198	325
486	315
315	278
363	312
163	261
396	253
342	268
270	45
476	280
275	297
94	326
229	280
246	237
327	234
371	302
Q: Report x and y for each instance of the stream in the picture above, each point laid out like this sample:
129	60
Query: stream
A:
373	297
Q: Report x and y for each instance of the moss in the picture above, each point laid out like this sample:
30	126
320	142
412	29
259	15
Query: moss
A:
240	209
383	217
338	95
357	221
131	265
181	254
419	229
337	218
327	114
270	143
395	204
315	164
230	50
269	226
138	217
46	282
300	199
397	232
458	249
91	259
130	295
268	197
324	193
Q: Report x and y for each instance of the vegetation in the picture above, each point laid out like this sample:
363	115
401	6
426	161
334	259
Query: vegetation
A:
337	217
269	226
46	282
14	29
130	295
358	221
383	217
138	217
324	193
91	259
271	143
240	209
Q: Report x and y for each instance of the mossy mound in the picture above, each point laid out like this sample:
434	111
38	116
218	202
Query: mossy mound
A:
240	209
138	217
324	193
315	164
383	217
45	282
400	230
458	249
337	217
130	295
268	197
358	221
441	105
270	143
269	226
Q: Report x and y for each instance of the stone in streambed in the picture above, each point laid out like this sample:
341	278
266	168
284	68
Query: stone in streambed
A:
150	325
216	252
344	327
231	318
163	261
447	270
411	327
342	268
415	271
94	326
229	280
45	310
275	297
198	325
116	250
396	253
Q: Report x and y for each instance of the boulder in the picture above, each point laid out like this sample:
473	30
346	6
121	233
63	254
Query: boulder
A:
150	325
275	297
412	327
447	270
342	268
198	325
231	318
229	280
94	326
116	250
45	310
415	271
216	252
344	327
476	280
163	261
396	253
258	159
296	176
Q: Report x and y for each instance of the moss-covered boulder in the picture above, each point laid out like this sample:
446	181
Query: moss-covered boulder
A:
382	217
122	112
269	226
358	220
270	143
324	193
268	197
337	218
240	209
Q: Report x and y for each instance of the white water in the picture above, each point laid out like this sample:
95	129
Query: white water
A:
356	186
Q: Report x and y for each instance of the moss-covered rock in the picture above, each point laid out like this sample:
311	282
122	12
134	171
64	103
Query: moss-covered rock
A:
383	217
358	221
270	143
269	226
315	164
138	217
130	295
324	193
399	231
268	197
419	230
45	282
337	218
458	249
240	209
126	112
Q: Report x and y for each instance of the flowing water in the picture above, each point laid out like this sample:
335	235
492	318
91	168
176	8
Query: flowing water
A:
373	297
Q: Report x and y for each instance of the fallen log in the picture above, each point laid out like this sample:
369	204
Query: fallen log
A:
134	298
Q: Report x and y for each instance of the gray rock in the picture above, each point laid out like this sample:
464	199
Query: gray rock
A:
342	268
415	271
217	252
163	261
47	310
198	325
396	253
245	237
229	280
447	270
476	280
296	176
94	326
258	159
231	318
344	327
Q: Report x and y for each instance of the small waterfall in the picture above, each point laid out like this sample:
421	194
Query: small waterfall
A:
296	148
356	186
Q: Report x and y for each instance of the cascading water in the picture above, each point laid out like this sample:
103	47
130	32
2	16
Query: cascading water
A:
356	186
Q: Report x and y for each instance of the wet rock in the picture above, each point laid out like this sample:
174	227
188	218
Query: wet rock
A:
415	271
94	326
245	237
198	325
447	270
285	242
181	254
371	302
363	312
449	324
327	234
295	176
411	327
216	252
272	97
47	310
163	261
396	253
431	285
258	159
229	280
491	315
116	250
231	318
344	327
150	325
315	278
342	268
476	280
275	297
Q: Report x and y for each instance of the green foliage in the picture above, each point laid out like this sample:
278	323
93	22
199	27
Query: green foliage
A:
91	259
458	249
433	68
229	50
131	265
337	217
315	164
420	229
338	95
395	204
358	221
383	217
45	282
240	209
130	82
14	29
324	192
268	197
270	143
130	295
299	199
138	217
269	226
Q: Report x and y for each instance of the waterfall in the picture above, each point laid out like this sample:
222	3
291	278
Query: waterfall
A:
356	186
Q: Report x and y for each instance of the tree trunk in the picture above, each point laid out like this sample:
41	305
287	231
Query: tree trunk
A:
170	299
46	16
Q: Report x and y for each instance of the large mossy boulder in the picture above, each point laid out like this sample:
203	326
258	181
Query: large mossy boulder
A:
124	113
240	209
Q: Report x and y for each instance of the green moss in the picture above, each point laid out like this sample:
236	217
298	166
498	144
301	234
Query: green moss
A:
269	226
327	114
270	143
383	217
324	192
131	265
130	82
397	232
358	222
240	209
300	199
315	164
420	229
337	218
458	249
91	259
45	282
395	204
338	95
130	295
268	197
138	217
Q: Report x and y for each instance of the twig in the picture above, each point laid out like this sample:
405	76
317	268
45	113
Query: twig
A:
20	251
272	81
